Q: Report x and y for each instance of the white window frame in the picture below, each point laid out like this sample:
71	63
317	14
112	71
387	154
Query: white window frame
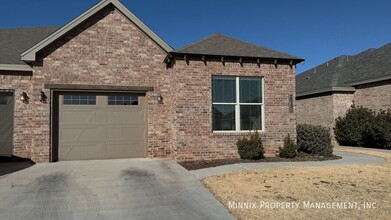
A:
238	104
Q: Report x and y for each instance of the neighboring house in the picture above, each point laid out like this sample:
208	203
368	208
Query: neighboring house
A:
105	86
328	90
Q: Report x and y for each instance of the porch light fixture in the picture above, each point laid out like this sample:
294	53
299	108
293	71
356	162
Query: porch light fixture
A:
23	97
159	98
42	97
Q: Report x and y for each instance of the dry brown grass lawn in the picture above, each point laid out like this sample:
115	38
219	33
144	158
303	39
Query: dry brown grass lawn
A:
322	185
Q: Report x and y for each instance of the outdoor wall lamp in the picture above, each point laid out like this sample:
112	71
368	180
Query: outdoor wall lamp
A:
42	97
24	98
159	98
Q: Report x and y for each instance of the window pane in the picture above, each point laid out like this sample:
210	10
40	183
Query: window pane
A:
223	117
224	90
79	100
92	101
122	100
250	117
250	90
111	99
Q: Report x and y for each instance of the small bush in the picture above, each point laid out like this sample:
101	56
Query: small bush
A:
378	134
290	148
250	148
349	129
314	139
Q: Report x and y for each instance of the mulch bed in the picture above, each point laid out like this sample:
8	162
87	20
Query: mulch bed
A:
200	164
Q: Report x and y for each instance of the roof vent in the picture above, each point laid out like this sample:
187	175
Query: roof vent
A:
314	69
347	58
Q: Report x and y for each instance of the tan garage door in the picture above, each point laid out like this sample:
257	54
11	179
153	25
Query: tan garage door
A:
101	126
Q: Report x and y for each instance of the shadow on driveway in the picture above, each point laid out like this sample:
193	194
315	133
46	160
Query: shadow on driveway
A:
13	164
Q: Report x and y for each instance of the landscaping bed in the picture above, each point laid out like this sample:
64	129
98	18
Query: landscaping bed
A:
200	164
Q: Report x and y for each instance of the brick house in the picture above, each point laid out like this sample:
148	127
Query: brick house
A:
106	86
328	90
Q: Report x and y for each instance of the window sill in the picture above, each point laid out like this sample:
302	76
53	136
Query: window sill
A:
235	133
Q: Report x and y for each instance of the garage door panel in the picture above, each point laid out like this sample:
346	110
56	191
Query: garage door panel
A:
126	149
125	117
100	130
82	151
79	133
125	133
83	116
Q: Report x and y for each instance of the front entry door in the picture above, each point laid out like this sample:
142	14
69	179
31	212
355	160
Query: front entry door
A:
6	123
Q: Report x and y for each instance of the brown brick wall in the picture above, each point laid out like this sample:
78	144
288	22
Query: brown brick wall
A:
376	96
109	50
105	50
341	103
316	110
24	129
192	127
323	110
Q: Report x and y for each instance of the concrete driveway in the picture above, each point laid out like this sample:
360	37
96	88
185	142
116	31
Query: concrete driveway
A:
107	189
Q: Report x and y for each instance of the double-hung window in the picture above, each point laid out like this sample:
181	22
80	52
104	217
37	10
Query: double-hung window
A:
237	103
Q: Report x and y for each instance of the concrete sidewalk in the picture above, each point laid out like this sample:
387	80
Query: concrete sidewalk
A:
347	159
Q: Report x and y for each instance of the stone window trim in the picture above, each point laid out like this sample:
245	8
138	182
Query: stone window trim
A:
238	105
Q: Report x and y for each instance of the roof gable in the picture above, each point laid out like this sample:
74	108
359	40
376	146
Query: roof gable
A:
221	45
30	54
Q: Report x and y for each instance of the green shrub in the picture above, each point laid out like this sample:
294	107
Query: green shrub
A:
290	148
250	148
350	128
314	139
378	134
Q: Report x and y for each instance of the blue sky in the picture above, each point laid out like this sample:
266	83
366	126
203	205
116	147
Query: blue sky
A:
311	29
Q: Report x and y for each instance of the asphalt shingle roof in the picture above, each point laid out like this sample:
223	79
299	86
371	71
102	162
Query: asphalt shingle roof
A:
221	45
342	70
13	42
